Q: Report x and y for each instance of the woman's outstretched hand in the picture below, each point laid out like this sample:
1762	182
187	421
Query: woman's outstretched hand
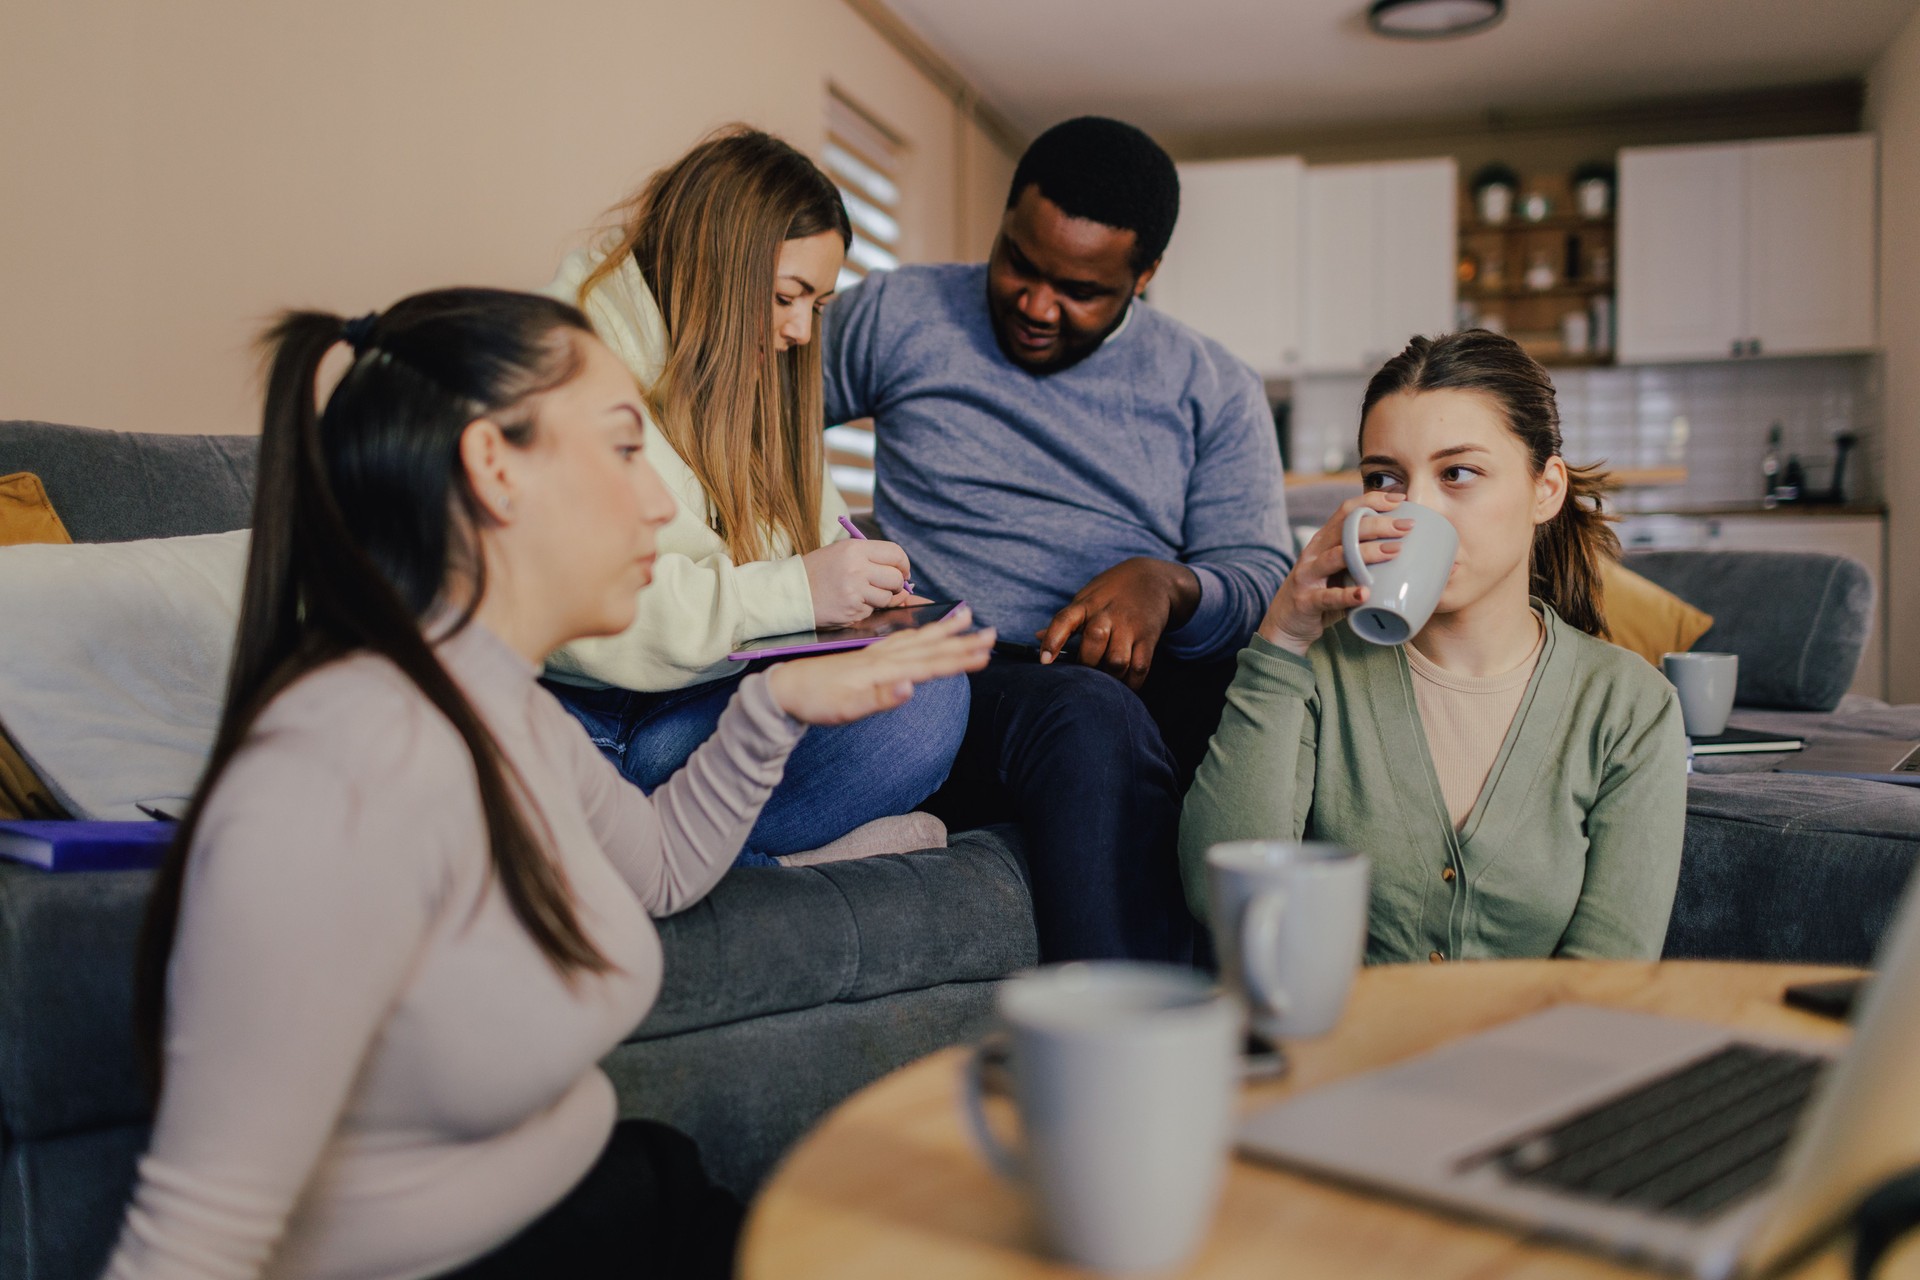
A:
840	687
1310	601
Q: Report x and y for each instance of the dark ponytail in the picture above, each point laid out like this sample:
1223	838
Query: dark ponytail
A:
362	515
1568	550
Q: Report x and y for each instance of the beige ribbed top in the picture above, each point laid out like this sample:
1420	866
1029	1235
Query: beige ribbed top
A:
1466	719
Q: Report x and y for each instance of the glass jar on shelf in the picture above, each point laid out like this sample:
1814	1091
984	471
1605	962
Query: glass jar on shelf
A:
1540	273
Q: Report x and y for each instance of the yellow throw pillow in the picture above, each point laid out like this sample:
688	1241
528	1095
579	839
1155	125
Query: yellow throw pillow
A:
25	516
22	794
1645	617
25	513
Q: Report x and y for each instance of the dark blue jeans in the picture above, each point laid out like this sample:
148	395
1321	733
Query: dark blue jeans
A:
837	778
1094	774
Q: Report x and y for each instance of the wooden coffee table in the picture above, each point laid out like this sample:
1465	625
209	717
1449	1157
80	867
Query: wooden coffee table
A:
889	1187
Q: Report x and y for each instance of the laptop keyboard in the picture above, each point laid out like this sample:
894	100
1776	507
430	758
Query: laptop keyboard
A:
1687	1143
1911	764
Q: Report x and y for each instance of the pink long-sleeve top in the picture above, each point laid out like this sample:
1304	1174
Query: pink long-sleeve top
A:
371	1071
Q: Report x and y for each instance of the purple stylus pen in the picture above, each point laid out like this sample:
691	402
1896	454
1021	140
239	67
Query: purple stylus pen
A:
853	530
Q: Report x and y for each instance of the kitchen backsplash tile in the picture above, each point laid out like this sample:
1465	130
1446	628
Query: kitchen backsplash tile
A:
1710	418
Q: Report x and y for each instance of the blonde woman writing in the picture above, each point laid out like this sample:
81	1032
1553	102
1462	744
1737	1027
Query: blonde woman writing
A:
1519	783
708	295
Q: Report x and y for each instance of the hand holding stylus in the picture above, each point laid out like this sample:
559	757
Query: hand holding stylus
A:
851	578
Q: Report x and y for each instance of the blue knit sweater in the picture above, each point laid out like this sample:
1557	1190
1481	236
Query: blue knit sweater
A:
1011	491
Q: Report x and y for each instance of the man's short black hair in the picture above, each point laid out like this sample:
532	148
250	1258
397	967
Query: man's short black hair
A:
1107	172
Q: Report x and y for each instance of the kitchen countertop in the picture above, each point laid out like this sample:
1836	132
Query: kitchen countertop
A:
1708	509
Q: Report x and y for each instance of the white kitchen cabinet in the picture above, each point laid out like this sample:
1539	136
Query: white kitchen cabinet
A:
1858	537
1379	250
1233	268
1812	268
1682	253
1747	249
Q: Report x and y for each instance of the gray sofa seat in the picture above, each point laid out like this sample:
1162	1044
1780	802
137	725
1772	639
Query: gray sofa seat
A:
775	939
1788	866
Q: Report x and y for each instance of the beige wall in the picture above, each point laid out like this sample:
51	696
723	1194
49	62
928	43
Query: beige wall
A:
176	172
1893	109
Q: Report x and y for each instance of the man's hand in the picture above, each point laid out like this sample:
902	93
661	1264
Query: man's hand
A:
1122	614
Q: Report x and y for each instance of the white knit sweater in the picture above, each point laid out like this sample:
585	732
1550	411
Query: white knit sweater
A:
701	605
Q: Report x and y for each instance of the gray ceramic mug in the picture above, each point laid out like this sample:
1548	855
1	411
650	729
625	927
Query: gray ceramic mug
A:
1402	592
1125	1076
1706	682
1289	929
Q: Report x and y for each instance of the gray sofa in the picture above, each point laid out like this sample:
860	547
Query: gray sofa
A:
785	990
1787	866
788	989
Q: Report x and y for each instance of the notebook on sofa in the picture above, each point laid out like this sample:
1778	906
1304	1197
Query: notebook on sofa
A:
1736	742
86	846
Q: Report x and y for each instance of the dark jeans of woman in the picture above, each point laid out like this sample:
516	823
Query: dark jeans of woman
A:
645	1209
838	778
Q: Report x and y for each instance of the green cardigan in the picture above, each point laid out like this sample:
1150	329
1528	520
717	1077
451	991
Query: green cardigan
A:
1572	849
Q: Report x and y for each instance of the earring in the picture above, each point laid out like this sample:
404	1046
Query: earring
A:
506	505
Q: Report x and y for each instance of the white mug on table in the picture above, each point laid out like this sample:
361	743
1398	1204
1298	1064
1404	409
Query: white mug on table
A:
1125	1076
1289	929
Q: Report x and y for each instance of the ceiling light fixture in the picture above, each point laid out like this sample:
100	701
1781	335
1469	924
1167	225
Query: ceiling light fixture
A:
1433	19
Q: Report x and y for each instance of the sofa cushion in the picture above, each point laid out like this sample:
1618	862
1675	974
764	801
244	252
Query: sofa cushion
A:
26	515
113	486
1799	620
1791	867
113	665
774	939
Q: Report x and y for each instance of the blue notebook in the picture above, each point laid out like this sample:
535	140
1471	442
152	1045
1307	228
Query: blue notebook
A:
86	846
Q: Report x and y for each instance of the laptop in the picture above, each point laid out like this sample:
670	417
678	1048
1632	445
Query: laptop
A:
1875	759
1700	1149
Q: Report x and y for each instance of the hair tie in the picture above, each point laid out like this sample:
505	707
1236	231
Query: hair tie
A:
359	331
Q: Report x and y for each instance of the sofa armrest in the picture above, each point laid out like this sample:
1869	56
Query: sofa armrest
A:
1799	620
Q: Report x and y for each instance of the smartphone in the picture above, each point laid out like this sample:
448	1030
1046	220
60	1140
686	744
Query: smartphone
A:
1834	999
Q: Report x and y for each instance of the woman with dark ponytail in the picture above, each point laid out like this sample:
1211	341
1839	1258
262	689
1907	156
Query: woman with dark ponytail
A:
1519	783
408	907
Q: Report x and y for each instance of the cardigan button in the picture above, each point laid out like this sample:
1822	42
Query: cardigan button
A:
1446	873
1435	957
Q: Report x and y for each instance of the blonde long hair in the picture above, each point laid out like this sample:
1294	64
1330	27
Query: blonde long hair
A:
706	233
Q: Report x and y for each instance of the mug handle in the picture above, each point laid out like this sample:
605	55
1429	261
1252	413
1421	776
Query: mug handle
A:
1004	1160
1260	949
1350	543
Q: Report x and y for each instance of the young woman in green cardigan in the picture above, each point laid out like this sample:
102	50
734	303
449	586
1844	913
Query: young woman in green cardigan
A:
1518	783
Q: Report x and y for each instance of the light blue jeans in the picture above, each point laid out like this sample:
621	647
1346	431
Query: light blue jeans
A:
837	777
